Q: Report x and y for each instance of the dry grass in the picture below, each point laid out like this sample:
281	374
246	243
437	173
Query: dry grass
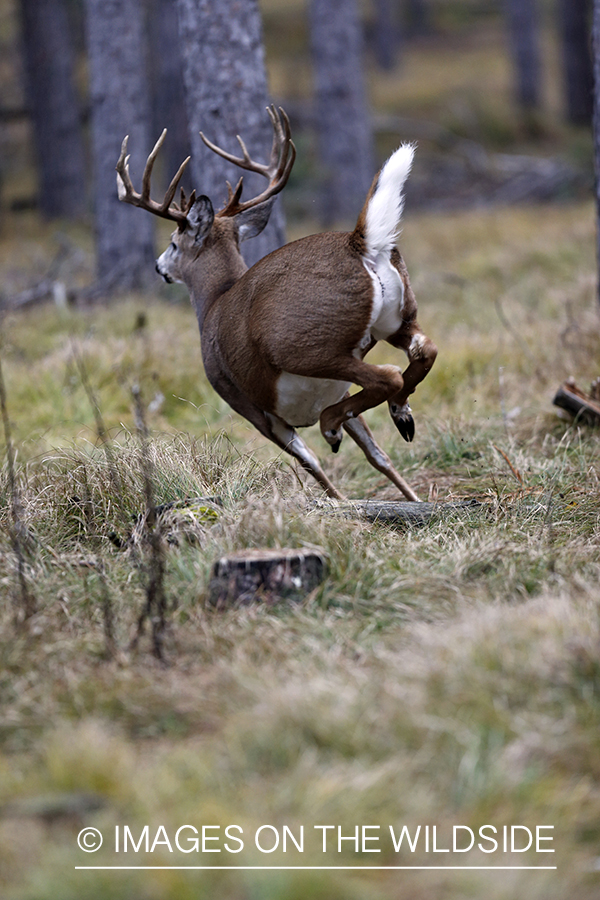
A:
444	675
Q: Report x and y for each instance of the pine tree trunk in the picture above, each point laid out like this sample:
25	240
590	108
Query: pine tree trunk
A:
577	61
226	94
119	106
418	17
596	61
523	34
54	106
386	34
168	95
344	132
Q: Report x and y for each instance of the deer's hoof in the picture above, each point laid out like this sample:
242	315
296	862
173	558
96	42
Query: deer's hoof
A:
404	422
406	427
334	438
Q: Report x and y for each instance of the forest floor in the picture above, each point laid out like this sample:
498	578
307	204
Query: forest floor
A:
444	676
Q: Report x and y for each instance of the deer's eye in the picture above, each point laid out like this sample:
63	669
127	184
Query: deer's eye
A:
173	247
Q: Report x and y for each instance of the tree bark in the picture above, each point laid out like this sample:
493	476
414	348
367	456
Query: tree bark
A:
54	107
226	94
344	131
168	95
596	60
386	34
418	17
119	106
523	35
585	407
577	61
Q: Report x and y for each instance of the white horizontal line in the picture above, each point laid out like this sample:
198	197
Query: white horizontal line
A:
314	868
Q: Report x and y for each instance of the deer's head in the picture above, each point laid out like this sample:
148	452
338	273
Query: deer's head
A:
199	228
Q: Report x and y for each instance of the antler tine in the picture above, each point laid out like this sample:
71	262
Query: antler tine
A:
145	195
124	185
280	147
233	196
186	203
128	194
190	201
281	136
247	162
174	182
243	163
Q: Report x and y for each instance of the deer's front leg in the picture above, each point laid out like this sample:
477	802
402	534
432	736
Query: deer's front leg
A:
269	425
421	352
289	440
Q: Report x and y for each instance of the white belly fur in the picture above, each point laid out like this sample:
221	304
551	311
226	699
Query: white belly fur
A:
388	298
301	399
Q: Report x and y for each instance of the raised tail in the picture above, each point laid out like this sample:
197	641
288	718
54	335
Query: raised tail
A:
380	218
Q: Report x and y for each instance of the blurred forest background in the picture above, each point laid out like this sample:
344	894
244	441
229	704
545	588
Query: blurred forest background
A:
498	94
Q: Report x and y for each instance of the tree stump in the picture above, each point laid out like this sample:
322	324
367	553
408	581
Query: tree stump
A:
265	576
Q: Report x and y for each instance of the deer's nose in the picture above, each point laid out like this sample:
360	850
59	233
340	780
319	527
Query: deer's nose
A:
163	274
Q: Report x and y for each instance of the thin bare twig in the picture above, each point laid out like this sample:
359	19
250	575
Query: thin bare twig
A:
101	429
156	602
26	604
108	617
512	468
516	336
48	286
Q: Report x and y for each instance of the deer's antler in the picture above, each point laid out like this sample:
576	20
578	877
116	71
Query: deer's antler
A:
277	170
128	194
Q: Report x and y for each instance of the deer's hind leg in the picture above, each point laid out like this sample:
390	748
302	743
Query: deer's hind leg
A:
378	383
360	432
421	352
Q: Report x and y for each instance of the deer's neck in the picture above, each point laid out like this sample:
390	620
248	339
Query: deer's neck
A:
215	272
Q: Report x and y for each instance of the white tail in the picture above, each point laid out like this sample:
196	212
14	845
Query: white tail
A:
385	206
284	341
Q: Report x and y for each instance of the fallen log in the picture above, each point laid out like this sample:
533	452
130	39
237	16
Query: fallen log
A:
400	512
584	407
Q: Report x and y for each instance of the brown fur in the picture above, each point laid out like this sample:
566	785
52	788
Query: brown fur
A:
303	311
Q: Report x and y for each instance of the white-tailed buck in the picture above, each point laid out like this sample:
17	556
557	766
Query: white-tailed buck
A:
284	341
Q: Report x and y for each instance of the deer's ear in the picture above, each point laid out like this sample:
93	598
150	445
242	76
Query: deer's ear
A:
252	221
200	219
